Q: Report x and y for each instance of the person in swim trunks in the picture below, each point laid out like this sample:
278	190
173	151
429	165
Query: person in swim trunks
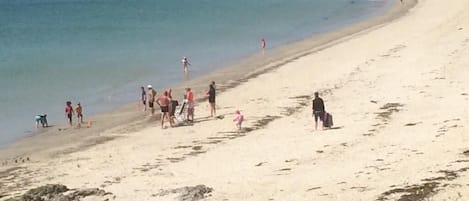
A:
190	104
172	107
79	111
151	99
164	102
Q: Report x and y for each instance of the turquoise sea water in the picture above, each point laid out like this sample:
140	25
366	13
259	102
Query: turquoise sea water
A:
100	51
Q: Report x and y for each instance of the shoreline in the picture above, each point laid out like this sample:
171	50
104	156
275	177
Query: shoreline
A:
233	75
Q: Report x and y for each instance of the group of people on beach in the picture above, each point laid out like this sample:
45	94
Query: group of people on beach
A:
41	119
168	105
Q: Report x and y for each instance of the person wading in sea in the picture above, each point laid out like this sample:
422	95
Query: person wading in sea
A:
79	111
185	64
69	112
143	98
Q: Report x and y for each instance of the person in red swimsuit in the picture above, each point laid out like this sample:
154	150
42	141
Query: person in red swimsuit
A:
69	112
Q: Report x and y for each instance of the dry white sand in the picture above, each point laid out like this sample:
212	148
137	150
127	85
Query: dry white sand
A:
399	96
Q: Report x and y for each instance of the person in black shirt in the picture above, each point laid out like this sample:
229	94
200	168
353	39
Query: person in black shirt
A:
144	98
318	109
211	99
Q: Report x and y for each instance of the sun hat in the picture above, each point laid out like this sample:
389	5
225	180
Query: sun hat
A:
149	86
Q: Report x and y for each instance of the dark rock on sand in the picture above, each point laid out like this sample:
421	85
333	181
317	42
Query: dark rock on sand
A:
188	193
56	192
46	192
466	152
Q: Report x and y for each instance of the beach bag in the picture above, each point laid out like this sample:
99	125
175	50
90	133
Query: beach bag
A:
327	120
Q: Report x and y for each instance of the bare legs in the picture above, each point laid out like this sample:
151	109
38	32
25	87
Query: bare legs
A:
190	114
213	111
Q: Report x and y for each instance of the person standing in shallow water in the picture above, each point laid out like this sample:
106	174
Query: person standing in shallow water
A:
211	99
143	98
41	119
318	109
69	112
79	111
185	64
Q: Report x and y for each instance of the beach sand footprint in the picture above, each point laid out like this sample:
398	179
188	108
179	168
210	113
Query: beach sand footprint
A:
412	124
283	171
313	188
260	164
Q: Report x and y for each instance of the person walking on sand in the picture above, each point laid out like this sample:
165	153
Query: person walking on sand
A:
190	104
185	64
239	118
164	101
263	43
143	98
151	99
69	112
211	99
318	109
79	111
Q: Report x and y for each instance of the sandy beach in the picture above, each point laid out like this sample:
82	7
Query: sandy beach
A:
397	88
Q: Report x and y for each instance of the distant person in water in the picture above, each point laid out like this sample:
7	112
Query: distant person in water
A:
190	104
211	98
185	64
263	43
69	112
79	111
151	99
164	101
318	109
239	118
143	98
41	119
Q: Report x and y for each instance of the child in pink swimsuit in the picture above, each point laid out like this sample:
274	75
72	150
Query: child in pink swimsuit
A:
238	119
